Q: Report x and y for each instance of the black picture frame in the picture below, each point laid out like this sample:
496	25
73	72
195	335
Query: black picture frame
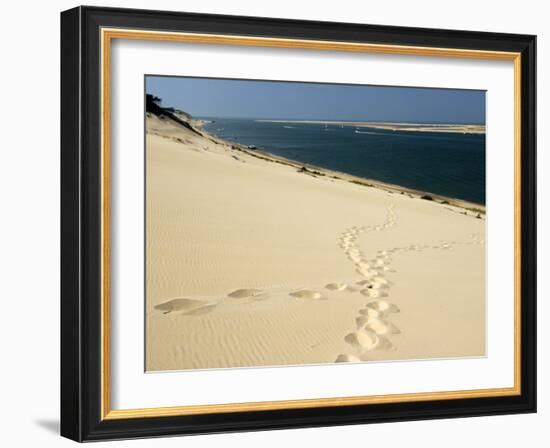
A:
81	381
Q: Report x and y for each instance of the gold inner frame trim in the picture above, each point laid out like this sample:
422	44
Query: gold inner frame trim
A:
107	35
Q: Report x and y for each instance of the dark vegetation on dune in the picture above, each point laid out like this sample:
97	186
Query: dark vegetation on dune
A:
153	106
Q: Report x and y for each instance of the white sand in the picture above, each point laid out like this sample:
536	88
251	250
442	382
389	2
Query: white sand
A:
252	263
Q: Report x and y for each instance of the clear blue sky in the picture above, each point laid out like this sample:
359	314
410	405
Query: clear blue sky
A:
205	97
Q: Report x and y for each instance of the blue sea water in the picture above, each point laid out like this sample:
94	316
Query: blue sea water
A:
447	164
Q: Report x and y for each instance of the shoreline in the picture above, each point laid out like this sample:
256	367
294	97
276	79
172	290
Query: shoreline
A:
315	170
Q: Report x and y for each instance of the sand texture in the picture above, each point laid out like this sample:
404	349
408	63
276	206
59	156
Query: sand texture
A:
253	262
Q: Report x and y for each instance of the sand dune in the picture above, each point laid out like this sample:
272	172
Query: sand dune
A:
253	263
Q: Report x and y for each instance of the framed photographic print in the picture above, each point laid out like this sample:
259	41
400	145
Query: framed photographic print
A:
275	224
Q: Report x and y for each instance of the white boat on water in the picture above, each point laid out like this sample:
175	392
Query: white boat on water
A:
357	131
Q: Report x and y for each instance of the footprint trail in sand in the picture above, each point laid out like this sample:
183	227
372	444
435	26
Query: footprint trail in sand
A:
374	329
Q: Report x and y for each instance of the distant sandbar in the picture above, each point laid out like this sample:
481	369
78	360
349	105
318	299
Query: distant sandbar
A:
412	127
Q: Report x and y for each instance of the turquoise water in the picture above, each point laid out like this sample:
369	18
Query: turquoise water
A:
446	164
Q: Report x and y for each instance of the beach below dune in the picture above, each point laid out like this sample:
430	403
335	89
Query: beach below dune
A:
256	263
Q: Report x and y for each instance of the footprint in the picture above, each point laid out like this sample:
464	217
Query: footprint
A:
307	294
361	321
385	344
347	358
336	286
381	280
382	306
367	272
380	283
246	293
377	285
381	327
363	339
370	312
373	293
186	306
